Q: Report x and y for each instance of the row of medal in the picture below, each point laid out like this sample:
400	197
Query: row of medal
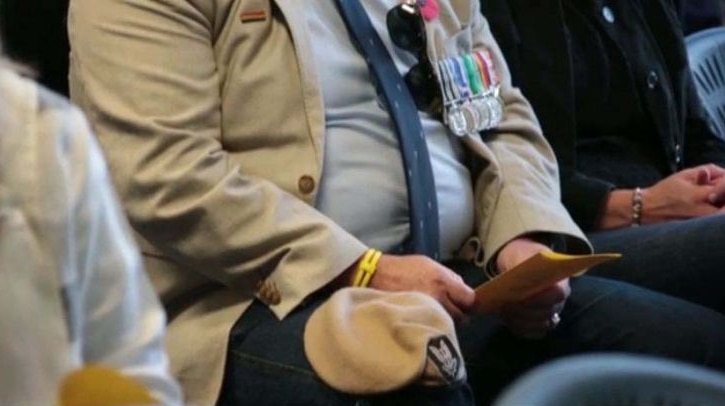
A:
470	88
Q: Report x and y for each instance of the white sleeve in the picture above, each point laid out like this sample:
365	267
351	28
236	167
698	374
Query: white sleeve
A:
122	322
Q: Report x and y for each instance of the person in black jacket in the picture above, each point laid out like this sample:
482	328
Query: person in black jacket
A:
641	170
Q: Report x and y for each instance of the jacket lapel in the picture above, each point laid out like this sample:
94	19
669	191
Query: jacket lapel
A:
294	13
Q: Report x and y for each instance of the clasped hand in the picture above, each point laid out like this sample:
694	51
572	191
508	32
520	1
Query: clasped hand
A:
690	193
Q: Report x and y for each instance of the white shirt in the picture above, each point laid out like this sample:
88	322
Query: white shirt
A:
72	288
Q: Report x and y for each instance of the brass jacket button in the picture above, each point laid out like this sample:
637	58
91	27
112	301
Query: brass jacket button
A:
306	184
268	293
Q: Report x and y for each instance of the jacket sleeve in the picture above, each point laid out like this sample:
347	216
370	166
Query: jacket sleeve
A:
528	200
121	323
585	197
146	75
582	195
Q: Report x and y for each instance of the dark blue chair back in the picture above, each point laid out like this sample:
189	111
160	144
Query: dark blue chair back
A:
616	380
706	52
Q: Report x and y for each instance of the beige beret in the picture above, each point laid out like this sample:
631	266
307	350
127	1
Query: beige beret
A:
365	341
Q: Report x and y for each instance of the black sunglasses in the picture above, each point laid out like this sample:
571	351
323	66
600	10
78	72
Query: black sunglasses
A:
407	31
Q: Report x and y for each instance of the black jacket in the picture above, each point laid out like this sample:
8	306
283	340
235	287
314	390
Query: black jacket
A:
533	37
697	15
35	33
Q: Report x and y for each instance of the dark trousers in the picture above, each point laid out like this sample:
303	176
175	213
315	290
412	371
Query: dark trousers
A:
685	259
267	366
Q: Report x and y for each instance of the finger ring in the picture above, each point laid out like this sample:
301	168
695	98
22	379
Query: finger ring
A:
555	319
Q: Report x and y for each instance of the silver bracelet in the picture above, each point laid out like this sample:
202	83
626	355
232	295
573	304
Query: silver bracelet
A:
637	207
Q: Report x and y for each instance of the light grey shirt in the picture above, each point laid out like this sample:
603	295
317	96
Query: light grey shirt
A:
363	186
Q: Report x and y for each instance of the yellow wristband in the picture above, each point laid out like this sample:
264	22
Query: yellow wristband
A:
366	268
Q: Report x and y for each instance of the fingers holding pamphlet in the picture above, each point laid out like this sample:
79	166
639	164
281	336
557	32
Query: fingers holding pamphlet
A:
536	273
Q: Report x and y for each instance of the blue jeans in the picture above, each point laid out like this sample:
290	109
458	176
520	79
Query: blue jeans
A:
685	259
601	315
267	366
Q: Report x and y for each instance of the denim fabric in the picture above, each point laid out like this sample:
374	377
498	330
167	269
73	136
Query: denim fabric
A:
600	315
267	365
685	259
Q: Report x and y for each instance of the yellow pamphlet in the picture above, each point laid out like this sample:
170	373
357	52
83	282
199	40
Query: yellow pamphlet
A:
102	386
533	275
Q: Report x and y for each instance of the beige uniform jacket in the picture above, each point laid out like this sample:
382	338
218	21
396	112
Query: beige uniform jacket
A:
210	113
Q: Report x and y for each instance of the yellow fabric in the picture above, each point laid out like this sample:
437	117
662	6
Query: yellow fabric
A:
97	385
367	267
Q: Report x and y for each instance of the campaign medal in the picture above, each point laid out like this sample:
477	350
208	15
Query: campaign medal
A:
492	86
464	86
460	116
478	89
470	88
453	115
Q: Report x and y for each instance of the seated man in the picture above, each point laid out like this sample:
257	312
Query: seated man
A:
262	148
72	288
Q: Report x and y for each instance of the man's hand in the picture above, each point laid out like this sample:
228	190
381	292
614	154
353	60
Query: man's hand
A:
422	274
686	194
533	317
